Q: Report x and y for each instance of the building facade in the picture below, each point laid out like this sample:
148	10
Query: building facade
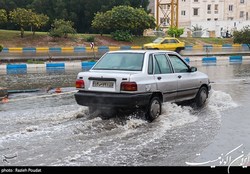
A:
213	16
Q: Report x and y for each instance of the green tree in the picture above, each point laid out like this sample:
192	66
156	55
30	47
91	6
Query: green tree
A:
175	32
242	36
3	16
37	21
124	18
101	22
21	17
61	28
81	12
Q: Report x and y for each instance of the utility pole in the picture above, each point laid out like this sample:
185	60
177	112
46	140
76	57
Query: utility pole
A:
170	13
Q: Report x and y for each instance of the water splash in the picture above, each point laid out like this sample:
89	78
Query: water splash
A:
220	101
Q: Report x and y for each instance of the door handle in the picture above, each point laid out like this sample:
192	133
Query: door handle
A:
179	76
159	78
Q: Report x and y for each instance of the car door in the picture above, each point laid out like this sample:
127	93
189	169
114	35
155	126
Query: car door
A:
188	82
165	78
169	44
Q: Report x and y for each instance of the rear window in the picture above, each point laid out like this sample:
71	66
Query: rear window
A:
121	61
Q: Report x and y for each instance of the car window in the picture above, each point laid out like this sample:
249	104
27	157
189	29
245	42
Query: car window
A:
173	41
165	41
178	64
121	61
162	65
158	40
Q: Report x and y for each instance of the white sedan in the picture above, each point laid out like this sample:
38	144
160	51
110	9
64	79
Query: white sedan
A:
141	79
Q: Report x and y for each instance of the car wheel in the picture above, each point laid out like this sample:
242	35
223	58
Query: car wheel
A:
154	109
201	97
178	50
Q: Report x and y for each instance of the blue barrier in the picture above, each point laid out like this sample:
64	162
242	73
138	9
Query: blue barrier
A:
54	49
5	50
236	58
189	47
53	68
125	48
29	49
87	65
55	65
16	66
103	49
227	46
79	49
208	47
13	69
209	60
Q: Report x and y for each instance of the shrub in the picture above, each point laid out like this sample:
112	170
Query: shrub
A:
242	36
1	48
90	39
120	35
175	32
35	61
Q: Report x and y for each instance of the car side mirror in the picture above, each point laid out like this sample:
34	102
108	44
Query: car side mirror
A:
193	69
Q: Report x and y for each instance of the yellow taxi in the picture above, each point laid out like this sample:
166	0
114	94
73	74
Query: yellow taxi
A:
166	43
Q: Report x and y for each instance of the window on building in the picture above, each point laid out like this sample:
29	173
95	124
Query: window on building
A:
196	0
242	1
183	13
196	11
230	8
241	14
183	0
216	19
216	8
208	19
209	9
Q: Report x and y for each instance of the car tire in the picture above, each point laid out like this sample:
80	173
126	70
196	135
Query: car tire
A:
178	50
154	109
201	97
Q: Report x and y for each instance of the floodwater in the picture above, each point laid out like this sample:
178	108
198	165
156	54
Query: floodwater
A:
49	129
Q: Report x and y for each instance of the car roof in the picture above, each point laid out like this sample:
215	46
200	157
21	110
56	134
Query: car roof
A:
142	51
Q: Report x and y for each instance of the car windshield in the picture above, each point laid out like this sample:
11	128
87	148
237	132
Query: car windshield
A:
158	40
121	61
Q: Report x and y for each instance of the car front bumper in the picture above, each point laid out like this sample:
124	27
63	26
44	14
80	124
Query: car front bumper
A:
85	98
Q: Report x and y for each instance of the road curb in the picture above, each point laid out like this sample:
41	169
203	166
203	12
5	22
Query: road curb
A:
103	48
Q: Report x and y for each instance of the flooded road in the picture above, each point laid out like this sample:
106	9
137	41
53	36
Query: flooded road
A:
43	129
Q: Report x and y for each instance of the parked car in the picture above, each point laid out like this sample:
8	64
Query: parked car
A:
167	43
141	79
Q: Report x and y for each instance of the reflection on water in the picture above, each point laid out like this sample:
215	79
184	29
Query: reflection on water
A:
39	78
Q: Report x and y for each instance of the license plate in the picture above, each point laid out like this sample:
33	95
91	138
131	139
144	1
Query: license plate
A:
103	84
